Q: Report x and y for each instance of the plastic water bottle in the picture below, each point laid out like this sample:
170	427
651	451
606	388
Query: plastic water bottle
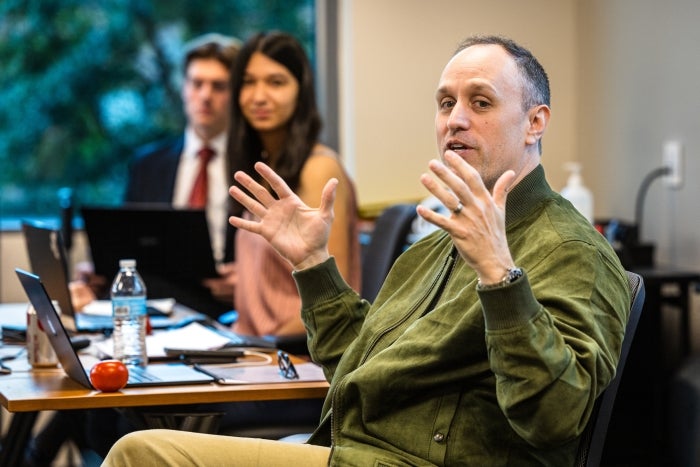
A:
128	295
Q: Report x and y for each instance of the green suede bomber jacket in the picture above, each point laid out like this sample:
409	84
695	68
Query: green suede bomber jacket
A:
436	372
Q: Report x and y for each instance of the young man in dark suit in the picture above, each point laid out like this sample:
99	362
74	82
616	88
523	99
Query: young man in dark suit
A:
165	172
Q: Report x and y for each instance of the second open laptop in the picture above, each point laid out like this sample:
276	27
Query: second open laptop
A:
48	259
152	375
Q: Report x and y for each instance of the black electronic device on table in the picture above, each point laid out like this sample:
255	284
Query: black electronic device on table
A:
171	244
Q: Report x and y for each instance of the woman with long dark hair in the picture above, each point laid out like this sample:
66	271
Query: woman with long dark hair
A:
275	120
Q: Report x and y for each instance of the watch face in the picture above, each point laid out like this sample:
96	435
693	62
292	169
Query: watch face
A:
514	274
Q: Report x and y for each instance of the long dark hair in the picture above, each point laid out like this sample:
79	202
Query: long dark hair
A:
244	144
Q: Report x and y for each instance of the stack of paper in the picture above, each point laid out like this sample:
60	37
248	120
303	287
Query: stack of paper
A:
194	336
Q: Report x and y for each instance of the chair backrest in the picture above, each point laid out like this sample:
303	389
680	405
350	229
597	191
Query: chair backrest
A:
590	450
387	242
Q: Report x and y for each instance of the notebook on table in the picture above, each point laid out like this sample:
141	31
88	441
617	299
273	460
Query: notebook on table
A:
48	260
151	375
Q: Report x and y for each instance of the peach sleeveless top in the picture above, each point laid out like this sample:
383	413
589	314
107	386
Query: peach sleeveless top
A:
266	295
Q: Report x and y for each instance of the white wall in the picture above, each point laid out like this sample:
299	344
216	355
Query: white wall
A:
624	77
392	54
639	67
13	254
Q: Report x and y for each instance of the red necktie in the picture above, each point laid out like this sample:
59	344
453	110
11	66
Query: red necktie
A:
200	189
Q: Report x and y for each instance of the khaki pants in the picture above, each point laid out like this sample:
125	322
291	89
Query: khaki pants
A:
168	447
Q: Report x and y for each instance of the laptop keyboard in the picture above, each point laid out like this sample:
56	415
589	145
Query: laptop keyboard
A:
141	375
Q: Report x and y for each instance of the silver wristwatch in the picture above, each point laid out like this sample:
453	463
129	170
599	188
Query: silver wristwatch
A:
512	275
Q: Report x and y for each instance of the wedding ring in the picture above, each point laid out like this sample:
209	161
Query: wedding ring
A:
459	208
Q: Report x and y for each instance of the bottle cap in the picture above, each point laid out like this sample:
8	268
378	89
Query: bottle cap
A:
575	176
127	263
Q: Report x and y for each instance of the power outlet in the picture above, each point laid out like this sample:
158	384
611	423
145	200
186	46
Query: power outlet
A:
673	159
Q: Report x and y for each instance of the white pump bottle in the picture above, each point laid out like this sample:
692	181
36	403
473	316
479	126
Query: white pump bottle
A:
575	191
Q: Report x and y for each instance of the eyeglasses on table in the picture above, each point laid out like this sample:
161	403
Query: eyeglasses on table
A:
286	366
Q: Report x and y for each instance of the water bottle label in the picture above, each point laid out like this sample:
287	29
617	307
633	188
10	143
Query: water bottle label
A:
128	306
121	311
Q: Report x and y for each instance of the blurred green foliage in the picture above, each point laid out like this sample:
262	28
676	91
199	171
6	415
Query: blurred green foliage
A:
85	82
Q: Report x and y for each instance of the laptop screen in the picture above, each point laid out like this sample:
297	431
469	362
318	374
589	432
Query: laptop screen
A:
172	244
47	257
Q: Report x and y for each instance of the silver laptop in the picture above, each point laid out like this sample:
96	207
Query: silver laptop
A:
152	375
48	259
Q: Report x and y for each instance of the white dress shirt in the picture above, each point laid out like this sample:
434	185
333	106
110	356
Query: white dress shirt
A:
217	201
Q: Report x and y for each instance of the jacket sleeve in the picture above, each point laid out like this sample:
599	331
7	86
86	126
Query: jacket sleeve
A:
553	339
332	312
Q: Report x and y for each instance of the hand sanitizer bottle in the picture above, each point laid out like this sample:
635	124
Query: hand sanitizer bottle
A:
575	191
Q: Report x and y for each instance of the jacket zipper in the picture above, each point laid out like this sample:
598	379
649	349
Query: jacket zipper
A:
445	275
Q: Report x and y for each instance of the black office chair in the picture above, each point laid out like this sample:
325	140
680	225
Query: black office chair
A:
593	439
387	242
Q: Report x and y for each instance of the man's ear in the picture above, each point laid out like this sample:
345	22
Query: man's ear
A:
539	118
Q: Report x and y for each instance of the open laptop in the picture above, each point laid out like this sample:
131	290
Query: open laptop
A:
152	375
48	260
172	244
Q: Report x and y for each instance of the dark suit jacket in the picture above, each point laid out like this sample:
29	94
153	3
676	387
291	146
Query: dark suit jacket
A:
152	173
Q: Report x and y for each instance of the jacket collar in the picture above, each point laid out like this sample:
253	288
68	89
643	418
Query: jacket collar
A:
527	195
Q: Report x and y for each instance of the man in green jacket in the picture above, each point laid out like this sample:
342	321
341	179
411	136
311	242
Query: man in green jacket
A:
490	339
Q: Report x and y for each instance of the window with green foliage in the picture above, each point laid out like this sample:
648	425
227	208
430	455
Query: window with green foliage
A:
85	82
